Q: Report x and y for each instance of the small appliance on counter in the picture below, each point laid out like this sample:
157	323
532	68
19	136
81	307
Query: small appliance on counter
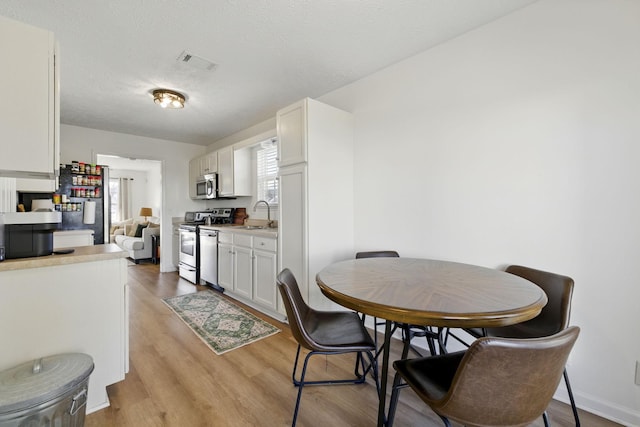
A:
29	234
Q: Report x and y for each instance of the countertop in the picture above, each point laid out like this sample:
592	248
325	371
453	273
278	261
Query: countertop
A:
81	254
265	232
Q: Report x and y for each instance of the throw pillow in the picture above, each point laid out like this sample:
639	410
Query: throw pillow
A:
139	230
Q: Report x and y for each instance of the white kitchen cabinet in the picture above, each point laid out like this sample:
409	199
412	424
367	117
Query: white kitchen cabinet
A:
291	128
247	268
316	226
265	270
76	303
234	172
242	265
30	121
225	261
209	163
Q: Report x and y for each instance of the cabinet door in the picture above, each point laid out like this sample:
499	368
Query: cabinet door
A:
292	130
27	83
225	172
264	277
211	162
242	270
225	265
292	237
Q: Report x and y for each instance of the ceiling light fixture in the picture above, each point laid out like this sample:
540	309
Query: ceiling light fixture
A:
168	98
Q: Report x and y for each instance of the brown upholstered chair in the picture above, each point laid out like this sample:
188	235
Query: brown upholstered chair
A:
495	382
323	332
408	331
553	318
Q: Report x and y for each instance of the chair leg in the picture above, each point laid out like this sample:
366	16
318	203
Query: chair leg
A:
545	418
571	399
393	403
445	420
358	380
295	367
300	385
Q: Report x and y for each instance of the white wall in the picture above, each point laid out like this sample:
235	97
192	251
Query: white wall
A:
77	143
146	191
518	143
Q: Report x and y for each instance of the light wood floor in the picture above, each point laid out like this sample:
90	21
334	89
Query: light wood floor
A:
176	380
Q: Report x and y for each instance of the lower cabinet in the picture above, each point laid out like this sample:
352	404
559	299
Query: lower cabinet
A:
247	268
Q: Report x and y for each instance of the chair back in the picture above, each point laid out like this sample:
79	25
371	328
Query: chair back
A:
297	309
377	254
554	317
505	381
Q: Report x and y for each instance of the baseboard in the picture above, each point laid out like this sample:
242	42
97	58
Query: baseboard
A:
594	405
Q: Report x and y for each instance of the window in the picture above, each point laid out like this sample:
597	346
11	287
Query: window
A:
267	172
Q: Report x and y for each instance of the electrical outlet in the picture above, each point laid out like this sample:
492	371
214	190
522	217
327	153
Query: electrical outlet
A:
637	372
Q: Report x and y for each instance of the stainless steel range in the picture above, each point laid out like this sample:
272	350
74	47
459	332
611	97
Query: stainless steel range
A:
188	265
189	248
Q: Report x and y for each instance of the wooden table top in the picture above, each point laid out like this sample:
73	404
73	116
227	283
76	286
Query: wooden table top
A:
430	292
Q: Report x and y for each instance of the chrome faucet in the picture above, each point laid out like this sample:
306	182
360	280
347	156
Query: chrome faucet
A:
269	222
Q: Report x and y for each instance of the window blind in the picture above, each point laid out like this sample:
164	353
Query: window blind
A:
267	173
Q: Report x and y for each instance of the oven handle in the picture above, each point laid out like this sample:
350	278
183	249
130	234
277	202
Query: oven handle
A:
186	267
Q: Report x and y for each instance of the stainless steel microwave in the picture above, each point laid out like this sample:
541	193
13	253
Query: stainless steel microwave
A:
207	187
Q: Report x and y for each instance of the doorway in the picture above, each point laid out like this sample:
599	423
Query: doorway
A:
135	185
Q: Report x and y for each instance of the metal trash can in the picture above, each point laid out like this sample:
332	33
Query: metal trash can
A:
46	392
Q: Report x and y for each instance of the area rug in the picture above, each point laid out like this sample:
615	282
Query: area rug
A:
222	325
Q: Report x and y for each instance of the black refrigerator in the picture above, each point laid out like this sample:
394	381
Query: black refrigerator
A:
83	199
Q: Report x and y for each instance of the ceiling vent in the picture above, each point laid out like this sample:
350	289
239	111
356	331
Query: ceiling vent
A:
196	61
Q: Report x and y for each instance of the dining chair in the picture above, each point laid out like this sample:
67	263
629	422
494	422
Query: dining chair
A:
324	332
553	318
408	331
495	382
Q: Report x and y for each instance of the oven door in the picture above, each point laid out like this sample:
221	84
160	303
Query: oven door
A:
188	247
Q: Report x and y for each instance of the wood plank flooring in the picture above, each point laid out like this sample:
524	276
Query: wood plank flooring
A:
176	380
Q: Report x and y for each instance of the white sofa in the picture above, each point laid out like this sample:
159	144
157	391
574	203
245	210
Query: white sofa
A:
138	247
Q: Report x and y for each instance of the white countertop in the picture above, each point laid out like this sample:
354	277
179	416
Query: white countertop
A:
266	232
80	254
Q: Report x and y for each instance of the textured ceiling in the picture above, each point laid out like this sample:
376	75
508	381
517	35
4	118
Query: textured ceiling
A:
268	54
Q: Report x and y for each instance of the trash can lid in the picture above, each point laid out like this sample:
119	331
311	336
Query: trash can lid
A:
38	381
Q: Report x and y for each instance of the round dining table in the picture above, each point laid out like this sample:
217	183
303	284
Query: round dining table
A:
428	292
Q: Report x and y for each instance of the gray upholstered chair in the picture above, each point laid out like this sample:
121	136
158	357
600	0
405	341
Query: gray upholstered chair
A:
495	382
323	332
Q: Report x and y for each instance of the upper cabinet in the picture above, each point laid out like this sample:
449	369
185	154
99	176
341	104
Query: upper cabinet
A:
233	166
234	172
291	128
30	122
203	165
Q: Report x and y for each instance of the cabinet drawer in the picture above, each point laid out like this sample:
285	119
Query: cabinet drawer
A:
242	240
264	243
225	237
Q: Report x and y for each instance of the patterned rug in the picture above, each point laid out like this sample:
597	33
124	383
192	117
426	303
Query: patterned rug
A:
222	325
